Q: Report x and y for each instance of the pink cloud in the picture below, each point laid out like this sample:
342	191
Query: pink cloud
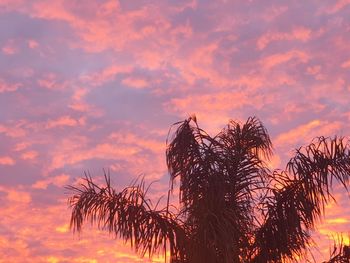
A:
21	146
215	110
78	104
210	101
50	82
13	131
199	65
221	101
346	64
6	160
279	58
107	74
110	27
300	33
65	121
29	155
15	195
304	133
339	5
8	87
10	48
59	180
33	44
133	139
7	5
313	70
73	154
137	83
273	12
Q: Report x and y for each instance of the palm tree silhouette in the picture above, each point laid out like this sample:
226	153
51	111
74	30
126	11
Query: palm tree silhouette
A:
232	208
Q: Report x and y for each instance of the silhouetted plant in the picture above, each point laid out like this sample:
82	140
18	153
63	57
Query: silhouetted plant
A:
232	208
340	253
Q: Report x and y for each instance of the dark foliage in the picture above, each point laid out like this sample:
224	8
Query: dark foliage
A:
232	208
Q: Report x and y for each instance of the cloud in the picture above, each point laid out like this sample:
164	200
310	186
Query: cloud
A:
338	6
137	83
17	196
21	146
29	155
300	34
306	132
106	75
33	44
65	121
133	139
59	180
13	131
277	59
10	48
49	81
8	87
346	64
6	160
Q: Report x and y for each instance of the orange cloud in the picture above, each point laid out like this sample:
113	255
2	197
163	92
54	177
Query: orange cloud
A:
69	155
59	181
17	196
199	65
133	139
210	101
14	195
6	160
221	101
295	134
30	155
277	59
304	133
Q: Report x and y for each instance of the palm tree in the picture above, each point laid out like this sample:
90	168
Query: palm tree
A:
232	208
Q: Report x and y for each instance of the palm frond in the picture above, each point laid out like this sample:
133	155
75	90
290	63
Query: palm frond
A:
129	215
304	189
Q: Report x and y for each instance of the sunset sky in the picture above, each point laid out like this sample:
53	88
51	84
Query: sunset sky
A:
92	85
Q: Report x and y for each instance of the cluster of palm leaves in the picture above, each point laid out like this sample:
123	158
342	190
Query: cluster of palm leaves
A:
232	208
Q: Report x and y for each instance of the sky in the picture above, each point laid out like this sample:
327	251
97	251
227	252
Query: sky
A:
93	85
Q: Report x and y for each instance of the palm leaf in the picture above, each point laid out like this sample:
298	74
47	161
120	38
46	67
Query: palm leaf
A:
129	215
304	189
